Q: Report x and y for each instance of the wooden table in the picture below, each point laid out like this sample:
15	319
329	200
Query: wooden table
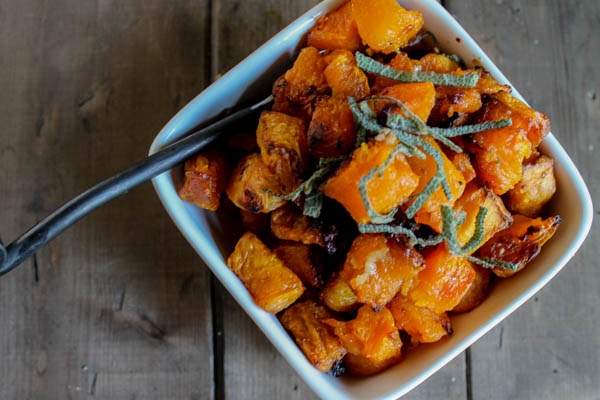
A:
120	307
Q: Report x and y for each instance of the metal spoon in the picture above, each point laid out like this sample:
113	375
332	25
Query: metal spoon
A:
51	226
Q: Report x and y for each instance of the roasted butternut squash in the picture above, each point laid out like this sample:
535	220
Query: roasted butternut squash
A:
422	324
205	179
477	292
534	190
345	78
417	97
315	338
288	223
331	132
272	285
339	296
520	243
336	30
305	261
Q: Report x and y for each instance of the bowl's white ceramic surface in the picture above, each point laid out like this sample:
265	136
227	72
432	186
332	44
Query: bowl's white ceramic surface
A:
213	237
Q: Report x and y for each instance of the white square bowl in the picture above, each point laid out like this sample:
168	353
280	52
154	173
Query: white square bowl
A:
212	236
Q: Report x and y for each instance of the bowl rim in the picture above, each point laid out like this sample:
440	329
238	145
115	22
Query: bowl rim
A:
182	123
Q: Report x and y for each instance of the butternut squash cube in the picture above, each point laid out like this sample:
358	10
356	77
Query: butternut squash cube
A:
305	261
430	213
535	124
246	187
417	97
450	100
288	223
205	179
272	285
499	153
372	341
462	162
496	219
282	142
477	292
336	30
384	25
296	91
339	296
444	281
534	190
331	132
316	339
345	78
377	267
422	324
385	192
520	243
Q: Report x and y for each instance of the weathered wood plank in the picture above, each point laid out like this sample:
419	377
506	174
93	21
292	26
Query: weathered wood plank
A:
550	348
120	306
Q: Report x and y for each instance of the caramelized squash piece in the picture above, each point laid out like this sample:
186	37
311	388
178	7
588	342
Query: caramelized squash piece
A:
384	192
316	339
384	25
444	281
273	286
450	100
499	153
439	63
282	142
417	97
205	179
496	219
377	267
430	213
534	123
520	243
296	91
254	222
336	30
534	190
422	324
462	162
372	341
488	85
331	132
305	261
478	291
345	78
246	187
289	223
339	296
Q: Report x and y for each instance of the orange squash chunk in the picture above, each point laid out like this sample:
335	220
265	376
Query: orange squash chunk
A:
254	222
422	324
384	25
535	189
439	63
316	339
272	285
345	78
450	100
205	179
305	261
377	267
477	292
282	142
534	123
520	243
247	183
336	30
496	219
488	85
444	281
430	213
499	153
331	132
462	161
372	341
296	91
417	97
385	192
289	223
338	295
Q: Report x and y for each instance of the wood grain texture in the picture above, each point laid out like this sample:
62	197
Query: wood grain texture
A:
118	306
550	347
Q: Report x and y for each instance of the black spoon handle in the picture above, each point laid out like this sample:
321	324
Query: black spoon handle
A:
116	185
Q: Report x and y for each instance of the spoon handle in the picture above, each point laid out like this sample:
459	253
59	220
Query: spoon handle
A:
69	213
